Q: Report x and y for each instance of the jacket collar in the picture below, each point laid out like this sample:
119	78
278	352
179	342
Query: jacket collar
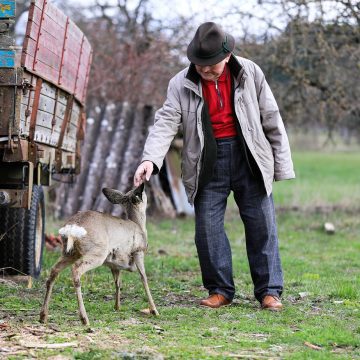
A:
236	69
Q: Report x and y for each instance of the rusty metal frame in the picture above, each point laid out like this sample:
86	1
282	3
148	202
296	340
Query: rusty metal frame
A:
64	125
27	111
39	34
35	107
53	121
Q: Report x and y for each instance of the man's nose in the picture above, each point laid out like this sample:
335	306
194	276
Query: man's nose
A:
206	68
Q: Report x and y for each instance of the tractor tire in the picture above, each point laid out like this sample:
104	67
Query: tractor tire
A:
22	237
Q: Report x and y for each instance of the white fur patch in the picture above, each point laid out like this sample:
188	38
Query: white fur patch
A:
73	230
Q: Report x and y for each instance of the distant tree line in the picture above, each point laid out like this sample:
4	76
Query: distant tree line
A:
311	59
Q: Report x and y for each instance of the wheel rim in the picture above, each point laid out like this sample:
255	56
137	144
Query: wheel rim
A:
38	236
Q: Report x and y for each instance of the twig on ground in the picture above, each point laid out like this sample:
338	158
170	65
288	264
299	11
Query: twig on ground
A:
47	346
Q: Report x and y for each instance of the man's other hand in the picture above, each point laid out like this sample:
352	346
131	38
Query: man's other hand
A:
143	172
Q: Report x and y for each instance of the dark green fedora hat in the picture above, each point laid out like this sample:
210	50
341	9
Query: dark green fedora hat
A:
210	45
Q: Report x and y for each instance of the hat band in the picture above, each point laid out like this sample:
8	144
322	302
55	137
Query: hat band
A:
224	49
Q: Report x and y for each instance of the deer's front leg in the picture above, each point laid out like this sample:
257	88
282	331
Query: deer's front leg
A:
139	261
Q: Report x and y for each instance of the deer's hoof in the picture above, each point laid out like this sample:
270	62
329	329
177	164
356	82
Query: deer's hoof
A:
148	312
154	312
85	321
43	318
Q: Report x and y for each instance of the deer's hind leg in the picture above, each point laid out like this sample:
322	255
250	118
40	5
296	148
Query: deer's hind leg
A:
139	261
79	268
61	264
117	281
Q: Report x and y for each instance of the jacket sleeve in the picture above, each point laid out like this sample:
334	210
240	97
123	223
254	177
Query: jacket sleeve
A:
166	125
274	128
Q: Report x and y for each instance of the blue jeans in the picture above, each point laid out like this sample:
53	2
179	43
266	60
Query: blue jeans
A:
257	212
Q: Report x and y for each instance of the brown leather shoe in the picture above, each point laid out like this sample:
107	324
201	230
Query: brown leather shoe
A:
215	301
271	302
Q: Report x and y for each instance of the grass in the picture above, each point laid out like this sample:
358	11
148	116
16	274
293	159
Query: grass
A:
322	179
321	319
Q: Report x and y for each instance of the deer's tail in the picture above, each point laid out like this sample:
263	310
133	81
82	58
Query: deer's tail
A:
70	233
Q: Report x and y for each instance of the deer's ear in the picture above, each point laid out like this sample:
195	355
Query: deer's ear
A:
139	191
114	196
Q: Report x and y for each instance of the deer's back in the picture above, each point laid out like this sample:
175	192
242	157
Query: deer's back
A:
106	233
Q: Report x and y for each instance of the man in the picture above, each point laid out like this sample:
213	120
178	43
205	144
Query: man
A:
234	139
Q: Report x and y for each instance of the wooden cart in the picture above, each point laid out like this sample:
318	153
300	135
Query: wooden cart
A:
42	119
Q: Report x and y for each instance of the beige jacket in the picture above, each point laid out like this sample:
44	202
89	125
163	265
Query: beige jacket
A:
256	111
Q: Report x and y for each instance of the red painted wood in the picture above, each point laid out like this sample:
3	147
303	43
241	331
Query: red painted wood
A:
32	30
56	49
55	14
49	58
87	77
35	14
52	44
29	47
39	3
53	28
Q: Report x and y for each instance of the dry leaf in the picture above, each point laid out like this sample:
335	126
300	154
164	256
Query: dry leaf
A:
303	294
146	311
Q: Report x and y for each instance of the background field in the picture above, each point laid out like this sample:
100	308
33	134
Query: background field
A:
321	319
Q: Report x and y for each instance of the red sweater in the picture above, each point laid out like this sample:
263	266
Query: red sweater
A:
217	95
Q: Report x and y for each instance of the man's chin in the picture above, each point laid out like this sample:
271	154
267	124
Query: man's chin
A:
208	77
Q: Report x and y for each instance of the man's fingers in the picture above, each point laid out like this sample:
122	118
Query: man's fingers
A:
138	176
143	172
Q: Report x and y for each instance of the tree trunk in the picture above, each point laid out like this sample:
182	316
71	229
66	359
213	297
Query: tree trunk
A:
100	153
69	196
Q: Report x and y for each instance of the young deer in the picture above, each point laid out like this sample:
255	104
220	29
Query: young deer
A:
91	239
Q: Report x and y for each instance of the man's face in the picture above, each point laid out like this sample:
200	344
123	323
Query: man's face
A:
212	72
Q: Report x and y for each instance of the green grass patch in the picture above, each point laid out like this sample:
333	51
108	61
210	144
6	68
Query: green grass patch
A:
321	319
322	180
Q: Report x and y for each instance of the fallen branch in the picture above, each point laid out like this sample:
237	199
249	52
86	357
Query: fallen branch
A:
312	346
47	346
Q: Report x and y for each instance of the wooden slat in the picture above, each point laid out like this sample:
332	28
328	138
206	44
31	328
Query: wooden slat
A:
83	97
47	126
42	134
42	68
52	28
32	30
48	90
44	119
47	104
30	46
55	14
38	3
52	43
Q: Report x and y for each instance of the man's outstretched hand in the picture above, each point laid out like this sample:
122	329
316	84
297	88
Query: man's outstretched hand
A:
143	172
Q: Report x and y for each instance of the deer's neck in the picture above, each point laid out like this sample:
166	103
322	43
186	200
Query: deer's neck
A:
138	218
